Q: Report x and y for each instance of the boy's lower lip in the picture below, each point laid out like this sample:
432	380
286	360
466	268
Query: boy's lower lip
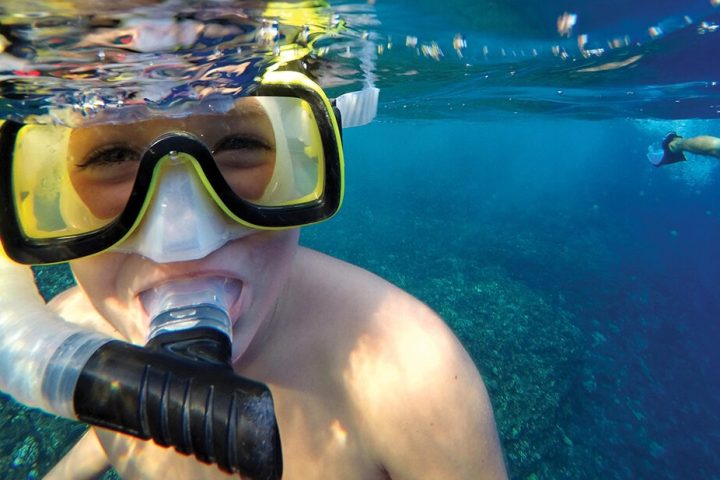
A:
236	303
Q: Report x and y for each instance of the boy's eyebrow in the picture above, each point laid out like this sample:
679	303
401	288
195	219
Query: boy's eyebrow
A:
247	108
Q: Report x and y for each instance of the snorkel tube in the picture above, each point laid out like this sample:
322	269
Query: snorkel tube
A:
179	390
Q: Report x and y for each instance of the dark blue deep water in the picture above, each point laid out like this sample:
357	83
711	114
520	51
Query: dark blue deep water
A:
509	189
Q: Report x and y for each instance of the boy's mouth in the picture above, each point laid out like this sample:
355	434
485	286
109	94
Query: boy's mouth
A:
224	293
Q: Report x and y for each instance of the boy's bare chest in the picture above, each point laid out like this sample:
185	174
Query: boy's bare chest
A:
321	438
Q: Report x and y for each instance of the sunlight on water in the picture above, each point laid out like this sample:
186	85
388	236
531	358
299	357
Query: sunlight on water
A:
59	62
519	61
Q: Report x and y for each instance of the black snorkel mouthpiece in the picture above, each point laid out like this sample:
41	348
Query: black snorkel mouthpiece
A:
181	391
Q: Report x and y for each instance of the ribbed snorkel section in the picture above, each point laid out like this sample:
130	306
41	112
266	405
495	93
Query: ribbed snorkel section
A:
41	355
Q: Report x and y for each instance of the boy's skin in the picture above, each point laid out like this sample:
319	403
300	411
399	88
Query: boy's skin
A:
368	382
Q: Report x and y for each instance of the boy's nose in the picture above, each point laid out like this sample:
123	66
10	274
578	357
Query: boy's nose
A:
182	222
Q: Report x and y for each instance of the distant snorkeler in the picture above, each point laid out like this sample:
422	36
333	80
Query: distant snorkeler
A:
197	320
674	148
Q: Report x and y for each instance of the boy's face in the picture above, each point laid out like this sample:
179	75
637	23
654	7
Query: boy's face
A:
259	260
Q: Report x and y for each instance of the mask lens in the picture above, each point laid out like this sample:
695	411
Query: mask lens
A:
59	194
289	169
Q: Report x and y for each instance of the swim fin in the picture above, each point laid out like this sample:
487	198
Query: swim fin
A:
669	157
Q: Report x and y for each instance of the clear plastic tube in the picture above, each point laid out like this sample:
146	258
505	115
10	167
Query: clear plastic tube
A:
41	355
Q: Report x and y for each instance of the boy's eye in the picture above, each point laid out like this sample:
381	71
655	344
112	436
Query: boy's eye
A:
242	142
110	155
242	152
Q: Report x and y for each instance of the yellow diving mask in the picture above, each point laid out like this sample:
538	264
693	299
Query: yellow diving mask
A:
269	160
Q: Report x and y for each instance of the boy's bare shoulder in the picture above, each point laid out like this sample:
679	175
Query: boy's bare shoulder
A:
361	303
345	280
367	305
383	335
408	376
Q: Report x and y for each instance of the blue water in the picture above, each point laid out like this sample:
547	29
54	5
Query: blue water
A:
614	261
582	280
510	190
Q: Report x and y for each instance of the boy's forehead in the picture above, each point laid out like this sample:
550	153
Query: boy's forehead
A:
246	109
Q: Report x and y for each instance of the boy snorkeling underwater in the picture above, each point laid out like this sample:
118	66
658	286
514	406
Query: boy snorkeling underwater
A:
366	381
